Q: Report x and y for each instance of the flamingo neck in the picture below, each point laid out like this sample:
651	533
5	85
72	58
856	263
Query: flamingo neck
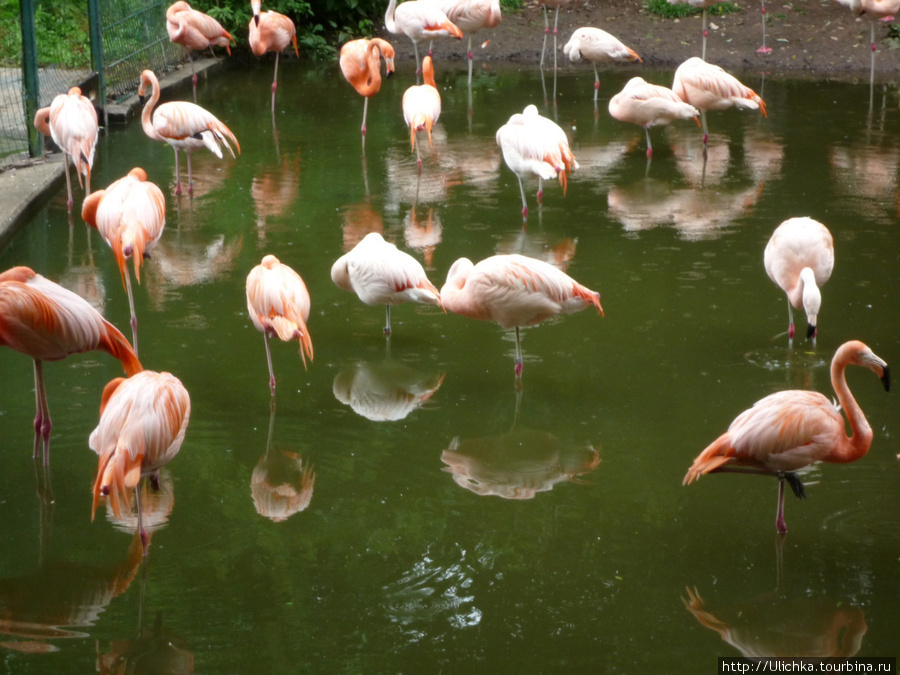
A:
857	445
389	17
370	83
147	112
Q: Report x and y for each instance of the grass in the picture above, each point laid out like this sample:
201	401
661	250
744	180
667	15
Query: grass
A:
668	11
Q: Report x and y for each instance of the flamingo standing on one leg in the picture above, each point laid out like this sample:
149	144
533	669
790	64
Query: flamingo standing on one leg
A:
381	274
195	31
130	215
422	107
278	303
535	145
799	258
419	20
708	87
597	46
361	66
649	105
183	125
789	430
48	322
515	291
271	32
71	122
142	424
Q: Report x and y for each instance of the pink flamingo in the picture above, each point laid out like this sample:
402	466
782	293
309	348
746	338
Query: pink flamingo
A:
789	430
649	105
597	46
278	303
184	126
381	274
708	87
48	322
419	20
130	215
361	66
271	32
71	122
799	258
195	31
422	107
535	145
142	424
515	291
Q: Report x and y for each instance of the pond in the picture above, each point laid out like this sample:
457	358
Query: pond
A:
432	517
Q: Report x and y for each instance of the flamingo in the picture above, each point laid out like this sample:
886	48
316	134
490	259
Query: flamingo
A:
535	145
142	424
649	105
515	291
422	107
555	4
708	87
184	126
130	215
361	66
278	303
48	322
799	258
71	122
597	46
271	32
419	20
471	16
877	10
381	274
195	30
789	430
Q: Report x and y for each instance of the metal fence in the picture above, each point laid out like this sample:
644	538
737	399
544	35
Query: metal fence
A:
132	36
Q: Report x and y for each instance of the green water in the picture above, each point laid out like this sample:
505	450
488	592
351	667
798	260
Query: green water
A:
391	565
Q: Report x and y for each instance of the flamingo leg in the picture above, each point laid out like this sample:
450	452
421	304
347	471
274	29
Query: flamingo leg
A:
703	48
546	31
42	422
70	203
193	74
596	85
275	82
418	65
555	49
418	157
763	49
365	112
145	538
872	70
190	174
649	147
524	203
705	131
177	172
540	192
387	320
134	340
791	328
780	525
269	361
471	58
520	362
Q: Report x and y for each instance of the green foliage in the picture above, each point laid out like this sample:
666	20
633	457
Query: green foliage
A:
61	30
667	11
511	5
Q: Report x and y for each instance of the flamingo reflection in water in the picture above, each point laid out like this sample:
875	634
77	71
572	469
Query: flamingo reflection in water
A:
782	624
423	234
517	464
154	650
281	483
59	597
142	424
868	175
274	190
387	391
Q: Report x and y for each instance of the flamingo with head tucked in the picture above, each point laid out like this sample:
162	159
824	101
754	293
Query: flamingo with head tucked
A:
789	430
419	20
649	105
271	32
361	66
597	46
183	125
195	31
71	122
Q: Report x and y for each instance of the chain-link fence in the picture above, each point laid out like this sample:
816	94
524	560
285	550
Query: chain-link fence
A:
134	37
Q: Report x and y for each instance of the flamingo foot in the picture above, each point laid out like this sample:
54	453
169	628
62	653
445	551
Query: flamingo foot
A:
470	55
791	331
764	50
649	153
178	188
519	368
363	130
705	139
70	203
540	196
525	213
419	164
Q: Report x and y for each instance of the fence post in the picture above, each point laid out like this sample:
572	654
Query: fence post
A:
97	53
31	90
